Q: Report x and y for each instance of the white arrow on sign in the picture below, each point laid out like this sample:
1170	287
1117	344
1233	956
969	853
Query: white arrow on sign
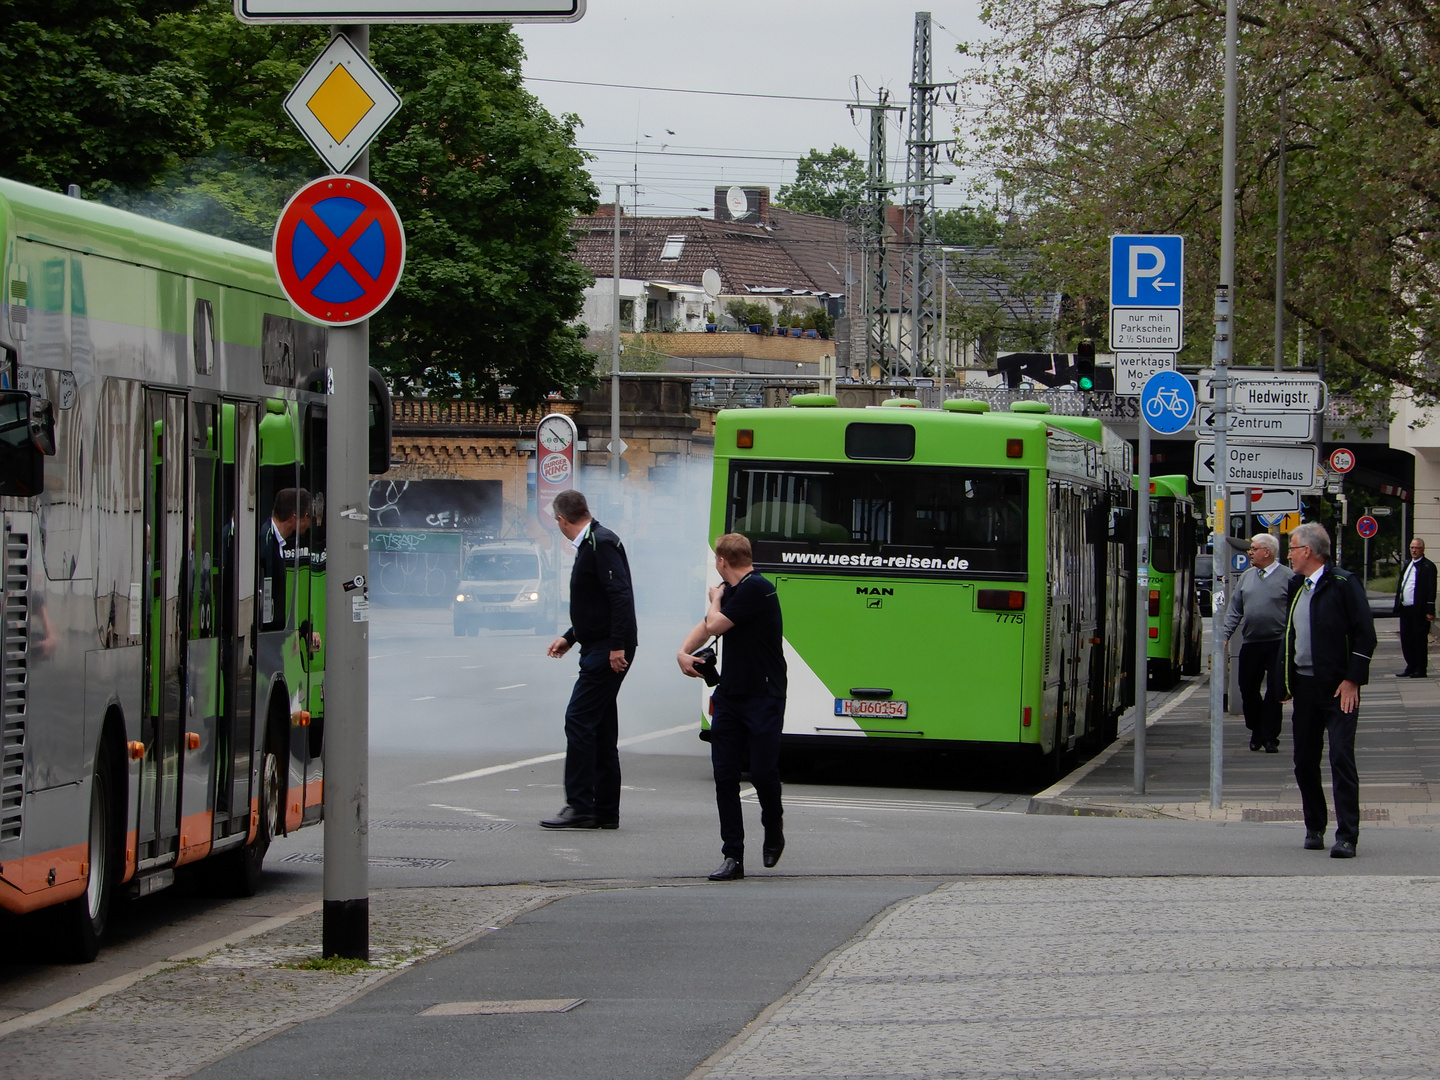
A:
1253	426
1255	465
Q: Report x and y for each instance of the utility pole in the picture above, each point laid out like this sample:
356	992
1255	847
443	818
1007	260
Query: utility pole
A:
873	228
615	352
917	285
345	925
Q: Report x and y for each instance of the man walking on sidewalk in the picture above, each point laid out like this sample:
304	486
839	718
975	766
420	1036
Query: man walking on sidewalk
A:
1329	639
1257	610
1415	604
602	618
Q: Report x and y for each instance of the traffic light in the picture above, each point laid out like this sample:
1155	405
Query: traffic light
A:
1085	365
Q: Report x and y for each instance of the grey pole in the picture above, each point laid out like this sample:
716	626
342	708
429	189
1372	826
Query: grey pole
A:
1223	354
1280	224
615	354
346	909
1142	603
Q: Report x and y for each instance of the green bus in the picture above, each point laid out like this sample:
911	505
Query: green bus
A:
161	654
949	577
1173	606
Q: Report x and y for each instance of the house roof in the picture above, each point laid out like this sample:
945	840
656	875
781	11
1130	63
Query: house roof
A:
1000	278
789	253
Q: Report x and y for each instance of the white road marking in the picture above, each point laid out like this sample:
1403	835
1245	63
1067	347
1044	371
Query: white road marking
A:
427	697
829	802
475	774
512	686
467	810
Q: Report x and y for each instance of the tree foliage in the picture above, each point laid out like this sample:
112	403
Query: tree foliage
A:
1105	116
485	180
825	183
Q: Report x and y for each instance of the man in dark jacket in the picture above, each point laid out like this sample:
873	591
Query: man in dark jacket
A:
602	619
1415	604
1329	639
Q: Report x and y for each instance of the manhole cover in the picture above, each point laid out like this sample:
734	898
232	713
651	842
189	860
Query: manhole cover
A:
495	1008
1255	814
386	862
443	826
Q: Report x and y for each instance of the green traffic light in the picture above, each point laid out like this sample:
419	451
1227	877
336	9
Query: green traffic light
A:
1086	383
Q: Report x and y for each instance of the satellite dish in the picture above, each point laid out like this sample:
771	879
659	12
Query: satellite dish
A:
710	282
737	203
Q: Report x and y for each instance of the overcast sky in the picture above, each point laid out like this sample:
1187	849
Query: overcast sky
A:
679	146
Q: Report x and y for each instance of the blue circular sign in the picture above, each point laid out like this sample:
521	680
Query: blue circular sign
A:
1167	402
1367	526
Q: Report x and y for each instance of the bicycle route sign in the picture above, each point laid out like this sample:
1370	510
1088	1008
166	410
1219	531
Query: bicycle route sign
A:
1167	401
339	249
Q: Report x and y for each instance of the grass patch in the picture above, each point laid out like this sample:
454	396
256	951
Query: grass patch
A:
338	965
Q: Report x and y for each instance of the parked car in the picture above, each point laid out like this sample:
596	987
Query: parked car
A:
505	584
1205	582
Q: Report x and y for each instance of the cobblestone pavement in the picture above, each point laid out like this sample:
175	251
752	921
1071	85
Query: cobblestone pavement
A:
204	1007
1119	979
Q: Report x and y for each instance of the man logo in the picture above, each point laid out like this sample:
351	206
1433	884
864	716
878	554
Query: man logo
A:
871	590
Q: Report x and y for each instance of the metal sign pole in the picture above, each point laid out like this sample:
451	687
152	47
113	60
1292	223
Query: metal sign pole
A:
1142	603
346	909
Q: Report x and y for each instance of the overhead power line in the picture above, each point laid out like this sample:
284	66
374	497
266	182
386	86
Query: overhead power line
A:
683	90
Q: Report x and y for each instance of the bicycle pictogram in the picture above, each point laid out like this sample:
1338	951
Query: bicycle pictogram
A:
1167	401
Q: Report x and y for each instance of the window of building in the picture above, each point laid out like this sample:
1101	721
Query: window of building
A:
674	245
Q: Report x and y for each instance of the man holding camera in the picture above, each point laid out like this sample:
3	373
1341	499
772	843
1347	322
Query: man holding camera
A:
749	703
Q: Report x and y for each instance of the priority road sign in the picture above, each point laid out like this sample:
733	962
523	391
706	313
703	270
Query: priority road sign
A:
339	249
1256	465
341	103
1147	271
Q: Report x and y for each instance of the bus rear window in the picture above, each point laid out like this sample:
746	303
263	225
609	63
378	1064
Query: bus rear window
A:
882	442
902	519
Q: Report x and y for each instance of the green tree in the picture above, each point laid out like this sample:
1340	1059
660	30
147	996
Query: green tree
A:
1101	118
90	95
967	226
825	183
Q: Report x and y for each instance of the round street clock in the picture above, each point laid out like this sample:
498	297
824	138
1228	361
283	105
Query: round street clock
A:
555	434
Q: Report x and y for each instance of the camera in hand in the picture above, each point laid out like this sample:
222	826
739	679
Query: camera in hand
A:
705	665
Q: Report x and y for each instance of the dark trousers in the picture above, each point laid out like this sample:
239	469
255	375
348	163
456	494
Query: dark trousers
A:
1257	668
592	732
745	733
1317	715
1415	638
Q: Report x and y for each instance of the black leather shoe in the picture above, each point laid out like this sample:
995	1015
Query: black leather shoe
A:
1254	744
730	870
771	852
1343	849
1403	674
567	818
1418	675
1314	841
607	825
1273	746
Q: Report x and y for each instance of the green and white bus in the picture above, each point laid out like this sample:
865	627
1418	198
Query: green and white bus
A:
948	577
161	675
1173	605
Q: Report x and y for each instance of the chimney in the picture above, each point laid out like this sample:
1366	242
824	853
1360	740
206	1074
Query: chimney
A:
608	210
756	208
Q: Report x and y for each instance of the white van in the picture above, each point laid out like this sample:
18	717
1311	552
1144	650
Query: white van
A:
505	584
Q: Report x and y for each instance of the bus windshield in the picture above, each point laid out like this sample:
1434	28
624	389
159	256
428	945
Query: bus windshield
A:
861	518
501	566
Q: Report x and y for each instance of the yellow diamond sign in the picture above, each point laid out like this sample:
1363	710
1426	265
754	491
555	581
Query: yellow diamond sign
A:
341	103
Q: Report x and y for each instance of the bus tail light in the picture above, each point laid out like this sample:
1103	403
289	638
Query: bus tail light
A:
1155	632
1026	721
745	438
1154	603
1014	447
1000	600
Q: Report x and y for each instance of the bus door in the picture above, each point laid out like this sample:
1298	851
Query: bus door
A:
201	630
165	557
235	617
1065	655
312	608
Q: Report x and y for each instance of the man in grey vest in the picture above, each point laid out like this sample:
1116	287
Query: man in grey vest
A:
1257	609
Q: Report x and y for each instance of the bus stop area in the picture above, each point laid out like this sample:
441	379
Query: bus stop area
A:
1397	747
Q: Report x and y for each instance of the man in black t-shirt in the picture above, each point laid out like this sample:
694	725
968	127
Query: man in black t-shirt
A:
749	703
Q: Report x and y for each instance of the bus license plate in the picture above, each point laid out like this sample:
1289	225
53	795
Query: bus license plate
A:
869	707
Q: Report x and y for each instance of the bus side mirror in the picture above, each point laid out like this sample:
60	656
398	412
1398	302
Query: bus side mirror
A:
380	417
25	440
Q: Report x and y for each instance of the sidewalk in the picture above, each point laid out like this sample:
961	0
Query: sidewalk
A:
1397	754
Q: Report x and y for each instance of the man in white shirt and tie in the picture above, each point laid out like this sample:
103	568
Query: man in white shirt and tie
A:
1415	605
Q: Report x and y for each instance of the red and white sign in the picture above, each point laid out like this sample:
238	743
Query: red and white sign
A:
555	437
339	249
1366	526
1342	460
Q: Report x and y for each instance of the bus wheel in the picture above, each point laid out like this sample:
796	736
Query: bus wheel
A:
83	919
237	872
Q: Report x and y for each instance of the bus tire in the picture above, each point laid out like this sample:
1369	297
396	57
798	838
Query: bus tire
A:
83	920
